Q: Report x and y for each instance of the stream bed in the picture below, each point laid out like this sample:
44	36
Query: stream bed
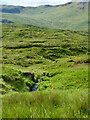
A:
35	87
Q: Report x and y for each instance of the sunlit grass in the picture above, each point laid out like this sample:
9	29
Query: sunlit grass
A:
47	104
60	54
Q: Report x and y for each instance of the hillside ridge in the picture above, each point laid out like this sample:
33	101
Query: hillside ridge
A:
72	16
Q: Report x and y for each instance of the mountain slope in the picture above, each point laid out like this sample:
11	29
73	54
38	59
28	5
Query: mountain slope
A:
73	16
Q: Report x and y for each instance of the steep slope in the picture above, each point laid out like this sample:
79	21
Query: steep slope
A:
73	16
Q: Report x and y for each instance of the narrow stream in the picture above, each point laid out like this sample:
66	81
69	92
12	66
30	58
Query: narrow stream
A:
35	87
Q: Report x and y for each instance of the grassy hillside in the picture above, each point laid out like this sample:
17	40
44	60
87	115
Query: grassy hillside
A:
61	55
39	50
73	16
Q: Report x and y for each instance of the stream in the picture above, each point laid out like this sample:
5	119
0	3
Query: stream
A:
35	87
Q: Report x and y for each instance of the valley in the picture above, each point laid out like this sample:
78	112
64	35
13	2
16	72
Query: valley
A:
69	16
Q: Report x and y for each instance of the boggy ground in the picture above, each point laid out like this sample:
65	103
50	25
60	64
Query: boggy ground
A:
61	55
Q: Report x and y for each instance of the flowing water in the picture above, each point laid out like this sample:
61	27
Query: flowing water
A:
35	87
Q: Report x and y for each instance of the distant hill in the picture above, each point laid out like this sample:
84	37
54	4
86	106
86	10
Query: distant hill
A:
6	21
72	16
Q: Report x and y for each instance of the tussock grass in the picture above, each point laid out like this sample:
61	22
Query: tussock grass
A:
61	55
38	45
70	103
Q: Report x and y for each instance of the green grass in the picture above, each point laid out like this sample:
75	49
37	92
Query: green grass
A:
56	104
62	55
15	80
72	16
48	50
25	45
